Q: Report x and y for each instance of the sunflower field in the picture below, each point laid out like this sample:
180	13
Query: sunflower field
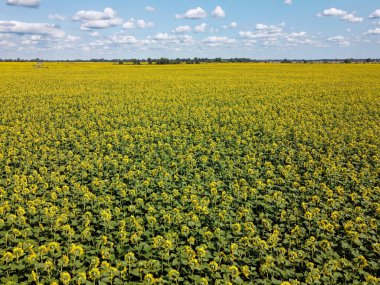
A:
201	174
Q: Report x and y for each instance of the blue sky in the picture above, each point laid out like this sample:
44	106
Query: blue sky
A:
261	29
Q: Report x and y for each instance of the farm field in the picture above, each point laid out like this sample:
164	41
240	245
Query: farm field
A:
189	174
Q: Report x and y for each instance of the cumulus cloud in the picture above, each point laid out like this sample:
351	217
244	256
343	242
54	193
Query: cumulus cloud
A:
231	25
275	36
343	15
352	18
246	34
22	28
150	9
333	12
264	31
339	40
94	34
140	23
288	2
164	37
218	12
6	44
106	14
375	31
56	17
101	24
32	40
336	39
97	19
130	24
144	24
218	41
71	38
299	34
197	13
201	28
186	39
123	39
375	14
24	3
182	29
270	28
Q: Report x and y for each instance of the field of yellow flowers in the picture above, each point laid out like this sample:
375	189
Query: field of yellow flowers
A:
202	174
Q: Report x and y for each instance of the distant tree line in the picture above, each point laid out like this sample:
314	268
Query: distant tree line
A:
198	60
195	60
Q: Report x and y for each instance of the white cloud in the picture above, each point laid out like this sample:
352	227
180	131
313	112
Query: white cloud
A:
186	39
218	41
130	24
197	13
333	12
150	9
70	38
375	14
182	29
288	2
94	34
343	15
100	43
56	17
5	43
270	28
342	41
106	14
123	39
5	36
275	36
352	18
233	25
261	27
97	19
218	12
294	41
164	37
101	24
299	34
375	31
24	3
32	40
201	28
143	24
246	34
140	23
265	31
336	39
22	28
